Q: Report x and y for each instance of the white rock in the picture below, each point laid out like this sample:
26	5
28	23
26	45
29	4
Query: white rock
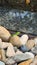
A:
4	34
2	63
10	51
35	40
24	39
0	40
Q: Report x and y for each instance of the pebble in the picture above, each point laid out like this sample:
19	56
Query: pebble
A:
15	40
10	51
30	44
35	40
2	63
24	39
27	62
10	61
4	34
34	50
23	56
24	48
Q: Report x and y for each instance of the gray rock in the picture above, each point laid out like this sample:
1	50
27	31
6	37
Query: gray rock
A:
23	56
34	50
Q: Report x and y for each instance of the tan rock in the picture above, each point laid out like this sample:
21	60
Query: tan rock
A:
10	51
0	54
24	39
30	44
4	34
26	62
15	40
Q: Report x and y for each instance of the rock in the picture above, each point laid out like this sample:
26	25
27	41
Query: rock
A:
10	51
23	56
34	50
24	48
4	34
4	45
2	63
3	55
35	40
30	44
24	39
26	62
15	40
10	61
18	52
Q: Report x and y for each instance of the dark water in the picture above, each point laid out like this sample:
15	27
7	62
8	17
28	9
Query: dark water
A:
21	20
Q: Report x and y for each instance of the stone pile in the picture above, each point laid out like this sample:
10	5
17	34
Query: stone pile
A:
15	50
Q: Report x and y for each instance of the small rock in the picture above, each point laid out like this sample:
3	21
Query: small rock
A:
30	44
15	40
4	45
4	34
2	63
26	62
24	48
0	40
0	54
23	56
15	48
10	51
35	40
24	39
34	50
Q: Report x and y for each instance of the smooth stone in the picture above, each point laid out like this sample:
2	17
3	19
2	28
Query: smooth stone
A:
10	61
35	40
23	56
4	34
27	62
24	39
15	40
10	51
24	48
30	44
2	63
34	50
4	45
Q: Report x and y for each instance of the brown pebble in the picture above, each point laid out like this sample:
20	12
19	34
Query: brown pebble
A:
15	40
26	62
30	44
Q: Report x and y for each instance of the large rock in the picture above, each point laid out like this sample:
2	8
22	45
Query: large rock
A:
23	56
4	34
2	63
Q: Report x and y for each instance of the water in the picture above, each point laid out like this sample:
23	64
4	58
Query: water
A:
21	20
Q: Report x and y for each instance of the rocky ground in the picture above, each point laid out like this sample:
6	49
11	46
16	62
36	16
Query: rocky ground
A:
15	19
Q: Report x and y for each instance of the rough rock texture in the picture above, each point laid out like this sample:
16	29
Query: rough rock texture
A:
18	19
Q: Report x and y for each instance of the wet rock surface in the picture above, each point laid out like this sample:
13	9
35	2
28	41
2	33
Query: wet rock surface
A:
15	19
